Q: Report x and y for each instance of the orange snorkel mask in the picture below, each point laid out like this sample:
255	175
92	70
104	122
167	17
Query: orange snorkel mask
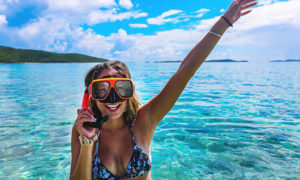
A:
107	90
111	89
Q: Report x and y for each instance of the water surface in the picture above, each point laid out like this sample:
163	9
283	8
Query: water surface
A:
233	120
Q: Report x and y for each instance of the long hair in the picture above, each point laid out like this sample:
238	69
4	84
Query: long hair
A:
122	70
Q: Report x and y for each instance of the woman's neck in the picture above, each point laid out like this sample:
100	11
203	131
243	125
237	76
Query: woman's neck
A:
114	124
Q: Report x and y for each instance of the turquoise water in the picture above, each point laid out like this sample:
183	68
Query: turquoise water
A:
233	120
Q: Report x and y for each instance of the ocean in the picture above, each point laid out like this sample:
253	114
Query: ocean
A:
232	121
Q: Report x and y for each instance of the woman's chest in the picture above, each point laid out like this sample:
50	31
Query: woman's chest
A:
115	153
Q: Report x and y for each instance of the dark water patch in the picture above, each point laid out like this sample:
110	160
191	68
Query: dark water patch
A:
247	84
217	147
237	144
221	165
198	130
230	127
22	145
275	138
226	120
8	126
292	123
248	162
61	123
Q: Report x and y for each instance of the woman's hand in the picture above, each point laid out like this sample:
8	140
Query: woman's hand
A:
237	9
85	116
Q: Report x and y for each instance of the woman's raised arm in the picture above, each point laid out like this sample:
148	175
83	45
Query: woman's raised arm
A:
160	105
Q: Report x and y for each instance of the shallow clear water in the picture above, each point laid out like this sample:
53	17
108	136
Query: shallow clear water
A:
233	120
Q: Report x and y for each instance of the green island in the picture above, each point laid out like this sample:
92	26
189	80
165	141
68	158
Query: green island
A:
12	55
288	60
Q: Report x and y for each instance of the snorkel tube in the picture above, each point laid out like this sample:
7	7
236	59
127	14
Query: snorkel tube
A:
86	100
85	105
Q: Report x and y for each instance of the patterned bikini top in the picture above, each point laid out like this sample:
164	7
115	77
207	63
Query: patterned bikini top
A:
138	165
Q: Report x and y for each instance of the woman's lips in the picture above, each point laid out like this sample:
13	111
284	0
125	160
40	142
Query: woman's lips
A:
112	107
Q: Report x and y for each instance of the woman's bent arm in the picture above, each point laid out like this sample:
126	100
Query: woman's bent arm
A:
81	165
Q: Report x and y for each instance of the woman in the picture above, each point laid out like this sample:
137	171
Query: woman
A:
122	151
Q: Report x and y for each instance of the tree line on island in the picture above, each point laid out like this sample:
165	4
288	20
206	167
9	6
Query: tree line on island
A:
12	55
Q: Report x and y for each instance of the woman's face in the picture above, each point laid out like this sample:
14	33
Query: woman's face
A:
113	110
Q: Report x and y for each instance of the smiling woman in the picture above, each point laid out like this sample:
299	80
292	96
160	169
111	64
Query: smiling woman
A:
123	149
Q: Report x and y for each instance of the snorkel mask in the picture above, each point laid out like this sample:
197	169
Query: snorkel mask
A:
111	90
107	90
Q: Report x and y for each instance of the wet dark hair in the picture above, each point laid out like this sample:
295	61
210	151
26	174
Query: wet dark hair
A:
122	70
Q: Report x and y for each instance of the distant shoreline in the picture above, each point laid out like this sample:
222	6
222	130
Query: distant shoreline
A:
10	55
288	60
227	61
213	61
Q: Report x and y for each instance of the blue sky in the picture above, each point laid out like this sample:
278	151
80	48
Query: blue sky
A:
131	30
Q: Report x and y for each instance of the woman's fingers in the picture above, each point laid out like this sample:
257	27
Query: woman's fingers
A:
247	1
248	5
84	116
79	124
84	113
85	119
246	12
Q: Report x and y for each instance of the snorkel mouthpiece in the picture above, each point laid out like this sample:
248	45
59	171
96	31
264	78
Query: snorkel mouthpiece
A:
112	97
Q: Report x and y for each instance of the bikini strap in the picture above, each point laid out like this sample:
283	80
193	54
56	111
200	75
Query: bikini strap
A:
96	152
132	135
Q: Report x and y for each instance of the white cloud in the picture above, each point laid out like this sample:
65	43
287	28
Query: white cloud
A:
99	16
267	2
4	3
91	43
201	12
280	13
47	33
126	4
163	45
160	20
3	20
11	1
138	25
3	7
170	13
79	5
222	10
59	35
206	23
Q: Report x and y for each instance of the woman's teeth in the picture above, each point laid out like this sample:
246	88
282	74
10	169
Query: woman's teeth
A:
113	107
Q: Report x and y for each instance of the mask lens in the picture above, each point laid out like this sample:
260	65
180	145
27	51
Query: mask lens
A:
124	88
100	89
